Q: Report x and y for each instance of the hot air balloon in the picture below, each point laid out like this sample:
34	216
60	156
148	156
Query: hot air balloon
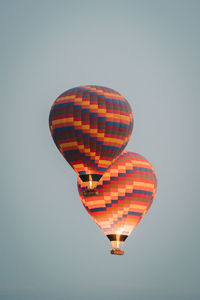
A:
125	193
90	126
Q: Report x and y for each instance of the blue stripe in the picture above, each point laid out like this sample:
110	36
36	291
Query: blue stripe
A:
142	192
121	198
85	110
77	106
78	131
71	152
93	114
114	178
101	118
101	169
63	105
117	124
122	175
114	201
114	100
111	148
98	209
106	182
134	213
86	135
142	169
128	194
129	171
64	129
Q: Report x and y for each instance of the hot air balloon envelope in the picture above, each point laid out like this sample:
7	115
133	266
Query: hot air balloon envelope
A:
125	193
91	126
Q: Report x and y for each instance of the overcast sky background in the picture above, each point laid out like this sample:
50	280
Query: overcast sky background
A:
149	52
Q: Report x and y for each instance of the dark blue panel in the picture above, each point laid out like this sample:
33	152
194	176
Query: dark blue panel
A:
93	114
114	178
101	118
114	201
77	106
117	124
64	129
98	209
63	105
129	171
78	131
86	134
142	169
101	169
114	101
71	151
122	174
128	194
142	192
106	182
111	148
134	213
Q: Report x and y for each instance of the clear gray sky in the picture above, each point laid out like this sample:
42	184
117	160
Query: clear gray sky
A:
149	52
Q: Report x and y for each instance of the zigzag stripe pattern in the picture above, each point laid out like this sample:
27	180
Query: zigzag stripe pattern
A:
90	125
125	193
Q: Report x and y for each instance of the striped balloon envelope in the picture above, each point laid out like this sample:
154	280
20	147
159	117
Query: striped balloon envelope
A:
91	126
125	193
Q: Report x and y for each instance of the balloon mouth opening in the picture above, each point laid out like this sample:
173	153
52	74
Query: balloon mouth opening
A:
117	237
91	181
90	177
117	242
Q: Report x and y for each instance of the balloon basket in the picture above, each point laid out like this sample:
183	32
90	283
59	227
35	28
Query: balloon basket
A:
116	251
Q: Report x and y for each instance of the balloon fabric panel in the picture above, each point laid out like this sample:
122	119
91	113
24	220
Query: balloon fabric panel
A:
126	192
91	126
